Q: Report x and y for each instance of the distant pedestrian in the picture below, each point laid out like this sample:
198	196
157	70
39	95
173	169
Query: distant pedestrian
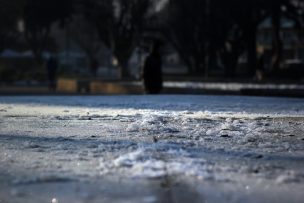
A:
52	66
259	75
94	67
152	71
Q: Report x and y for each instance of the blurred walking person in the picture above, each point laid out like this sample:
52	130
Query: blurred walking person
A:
94	67
152	71
52	66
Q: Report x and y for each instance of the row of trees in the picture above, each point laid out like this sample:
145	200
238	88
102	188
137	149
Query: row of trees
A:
32	20
202	31
119	24
9	14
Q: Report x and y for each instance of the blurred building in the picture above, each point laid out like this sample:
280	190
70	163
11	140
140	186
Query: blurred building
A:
293	45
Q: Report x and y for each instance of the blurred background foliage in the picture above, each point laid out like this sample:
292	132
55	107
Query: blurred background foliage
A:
254	39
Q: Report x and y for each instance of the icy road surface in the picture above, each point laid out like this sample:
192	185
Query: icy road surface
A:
151	149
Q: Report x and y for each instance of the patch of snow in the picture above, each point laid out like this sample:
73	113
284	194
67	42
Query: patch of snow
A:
205	138
288	177
152	123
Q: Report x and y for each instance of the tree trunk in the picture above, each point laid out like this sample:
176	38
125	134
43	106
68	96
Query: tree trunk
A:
37	40
199	67
251	50
277	45
230	62
123	62
212	59
124	70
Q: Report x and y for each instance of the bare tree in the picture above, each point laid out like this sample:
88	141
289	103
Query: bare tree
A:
10	13
85	35
187	32
119	24
39	16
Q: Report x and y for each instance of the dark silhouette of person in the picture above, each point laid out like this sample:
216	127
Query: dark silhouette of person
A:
152	71
52	66
94	67
260	67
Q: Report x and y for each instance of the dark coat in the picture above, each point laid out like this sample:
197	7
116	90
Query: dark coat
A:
152	74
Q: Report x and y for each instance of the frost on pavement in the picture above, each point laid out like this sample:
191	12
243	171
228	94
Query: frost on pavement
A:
231	140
